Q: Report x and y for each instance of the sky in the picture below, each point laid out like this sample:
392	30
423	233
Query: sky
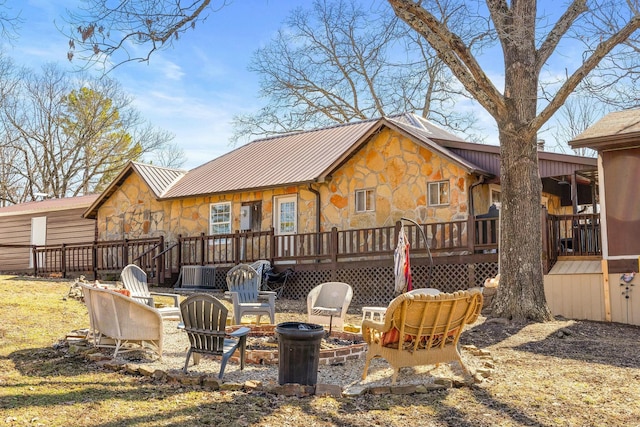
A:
194	89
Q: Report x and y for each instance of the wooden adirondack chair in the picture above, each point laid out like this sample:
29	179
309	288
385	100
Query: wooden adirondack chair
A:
247	299
135	280
205	320
421	329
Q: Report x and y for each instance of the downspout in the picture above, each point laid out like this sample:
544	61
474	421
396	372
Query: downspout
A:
472	213
471	187
318	240
317	193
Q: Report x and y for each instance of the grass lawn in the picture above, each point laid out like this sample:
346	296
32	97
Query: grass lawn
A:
562	373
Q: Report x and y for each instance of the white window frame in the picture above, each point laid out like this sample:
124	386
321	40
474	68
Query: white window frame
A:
212	224
437	186
277	219
368	197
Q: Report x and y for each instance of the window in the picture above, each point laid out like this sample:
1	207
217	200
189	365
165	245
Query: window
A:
439	193
365	200
286	215
220	218
494	194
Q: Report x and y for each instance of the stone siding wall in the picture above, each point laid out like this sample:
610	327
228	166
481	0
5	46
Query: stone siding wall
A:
398	170
394	167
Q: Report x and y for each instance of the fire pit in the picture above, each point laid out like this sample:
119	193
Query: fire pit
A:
262	346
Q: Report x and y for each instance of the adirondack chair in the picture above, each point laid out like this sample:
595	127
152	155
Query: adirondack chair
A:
421	329
327	304
261	267
135	280
122	323
205	319
247	299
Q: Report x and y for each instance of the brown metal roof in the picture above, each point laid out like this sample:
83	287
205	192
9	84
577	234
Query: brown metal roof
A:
49	205
282	160
487	157
159	179
620	129
312	156
425	135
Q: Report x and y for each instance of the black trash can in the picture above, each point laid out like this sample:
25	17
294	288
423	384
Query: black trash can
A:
298	352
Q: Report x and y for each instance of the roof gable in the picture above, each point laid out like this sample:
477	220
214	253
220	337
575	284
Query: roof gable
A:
303	157
158	179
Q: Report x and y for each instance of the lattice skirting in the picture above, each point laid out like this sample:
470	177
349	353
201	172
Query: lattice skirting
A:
374	285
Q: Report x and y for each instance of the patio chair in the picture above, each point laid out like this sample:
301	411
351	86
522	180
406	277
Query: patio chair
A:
421	329
247	299
328	302
276	281
261	267
205	319
122	323
135	280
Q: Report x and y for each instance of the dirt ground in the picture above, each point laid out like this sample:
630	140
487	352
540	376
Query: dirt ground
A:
559	373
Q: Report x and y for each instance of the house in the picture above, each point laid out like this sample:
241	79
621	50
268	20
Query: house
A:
601	288
350	176
46	222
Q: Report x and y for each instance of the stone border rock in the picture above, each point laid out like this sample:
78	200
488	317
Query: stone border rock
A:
83	347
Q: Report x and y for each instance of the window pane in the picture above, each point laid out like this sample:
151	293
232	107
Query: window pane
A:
370	200
444	193
287	217
433	193
495	196
360	201
221	218
365	200
438	193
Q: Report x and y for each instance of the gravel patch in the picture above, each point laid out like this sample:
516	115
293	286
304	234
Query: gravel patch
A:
345	375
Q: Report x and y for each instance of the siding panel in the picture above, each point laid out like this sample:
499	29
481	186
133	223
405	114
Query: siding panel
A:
63	226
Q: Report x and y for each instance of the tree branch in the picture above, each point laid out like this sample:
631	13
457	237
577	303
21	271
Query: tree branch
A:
453	51
561	27
587	66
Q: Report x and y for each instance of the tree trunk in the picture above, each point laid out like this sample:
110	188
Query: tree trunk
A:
521	292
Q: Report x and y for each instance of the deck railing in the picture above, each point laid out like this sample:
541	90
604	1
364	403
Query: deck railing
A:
574	235
570	235
97	257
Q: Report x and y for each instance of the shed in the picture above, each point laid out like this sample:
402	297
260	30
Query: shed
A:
46	222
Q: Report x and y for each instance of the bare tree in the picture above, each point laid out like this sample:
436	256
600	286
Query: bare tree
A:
170	156
335	62
575	116
9	185
606	29
66	137
103	30
10	21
